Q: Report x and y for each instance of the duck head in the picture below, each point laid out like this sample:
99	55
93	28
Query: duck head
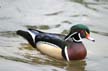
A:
78	32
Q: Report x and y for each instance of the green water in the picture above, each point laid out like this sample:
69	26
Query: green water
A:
54	16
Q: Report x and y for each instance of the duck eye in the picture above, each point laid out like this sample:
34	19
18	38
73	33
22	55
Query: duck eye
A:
82	33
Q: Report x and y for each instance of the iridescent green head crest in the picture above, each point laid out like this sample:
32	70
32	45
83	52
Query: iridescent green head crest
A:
78	28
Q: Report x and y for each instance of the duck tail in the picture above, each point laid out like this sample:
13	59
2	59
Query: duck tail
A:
28	35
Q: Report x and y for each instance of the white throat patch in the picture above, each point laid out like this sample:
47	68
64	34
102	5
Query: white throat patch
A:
80	39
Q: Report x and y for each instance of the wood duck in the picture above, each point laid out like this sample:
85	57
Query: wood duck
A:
67	47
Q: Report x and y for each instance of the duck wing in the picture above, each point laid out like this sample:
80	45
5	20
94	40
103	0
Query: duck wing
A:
33	36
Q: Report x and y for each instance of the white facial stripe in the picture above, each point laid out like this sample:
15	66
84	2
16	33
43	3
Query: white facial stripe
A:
32	34
66	53
70	36
80	39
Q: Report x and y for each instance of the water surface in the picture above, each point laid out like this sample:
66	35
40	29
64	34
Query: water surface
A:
55	16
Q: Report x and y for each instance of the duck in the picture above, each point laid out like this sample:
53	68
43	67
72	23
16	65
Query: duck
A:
64	47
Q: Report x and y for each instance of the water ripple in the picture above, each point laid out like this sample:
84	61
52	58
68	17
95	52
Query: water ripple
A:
101	33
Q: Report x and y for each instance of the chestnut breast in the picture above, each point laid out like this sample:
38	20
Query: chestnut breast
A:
76	51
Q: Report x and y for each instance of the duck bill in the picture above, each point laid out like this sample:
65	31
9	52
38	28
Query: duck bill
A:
90	38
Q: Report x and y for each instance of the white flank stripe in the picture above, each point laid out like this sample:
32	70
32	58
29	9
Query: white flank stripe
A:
66	53
32	34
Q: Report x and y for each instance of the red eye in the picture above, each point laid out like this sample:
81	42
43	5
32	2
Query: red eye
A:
82	32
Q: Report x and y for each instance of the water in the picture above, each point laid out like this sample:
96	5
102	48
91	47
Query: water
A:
55	16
